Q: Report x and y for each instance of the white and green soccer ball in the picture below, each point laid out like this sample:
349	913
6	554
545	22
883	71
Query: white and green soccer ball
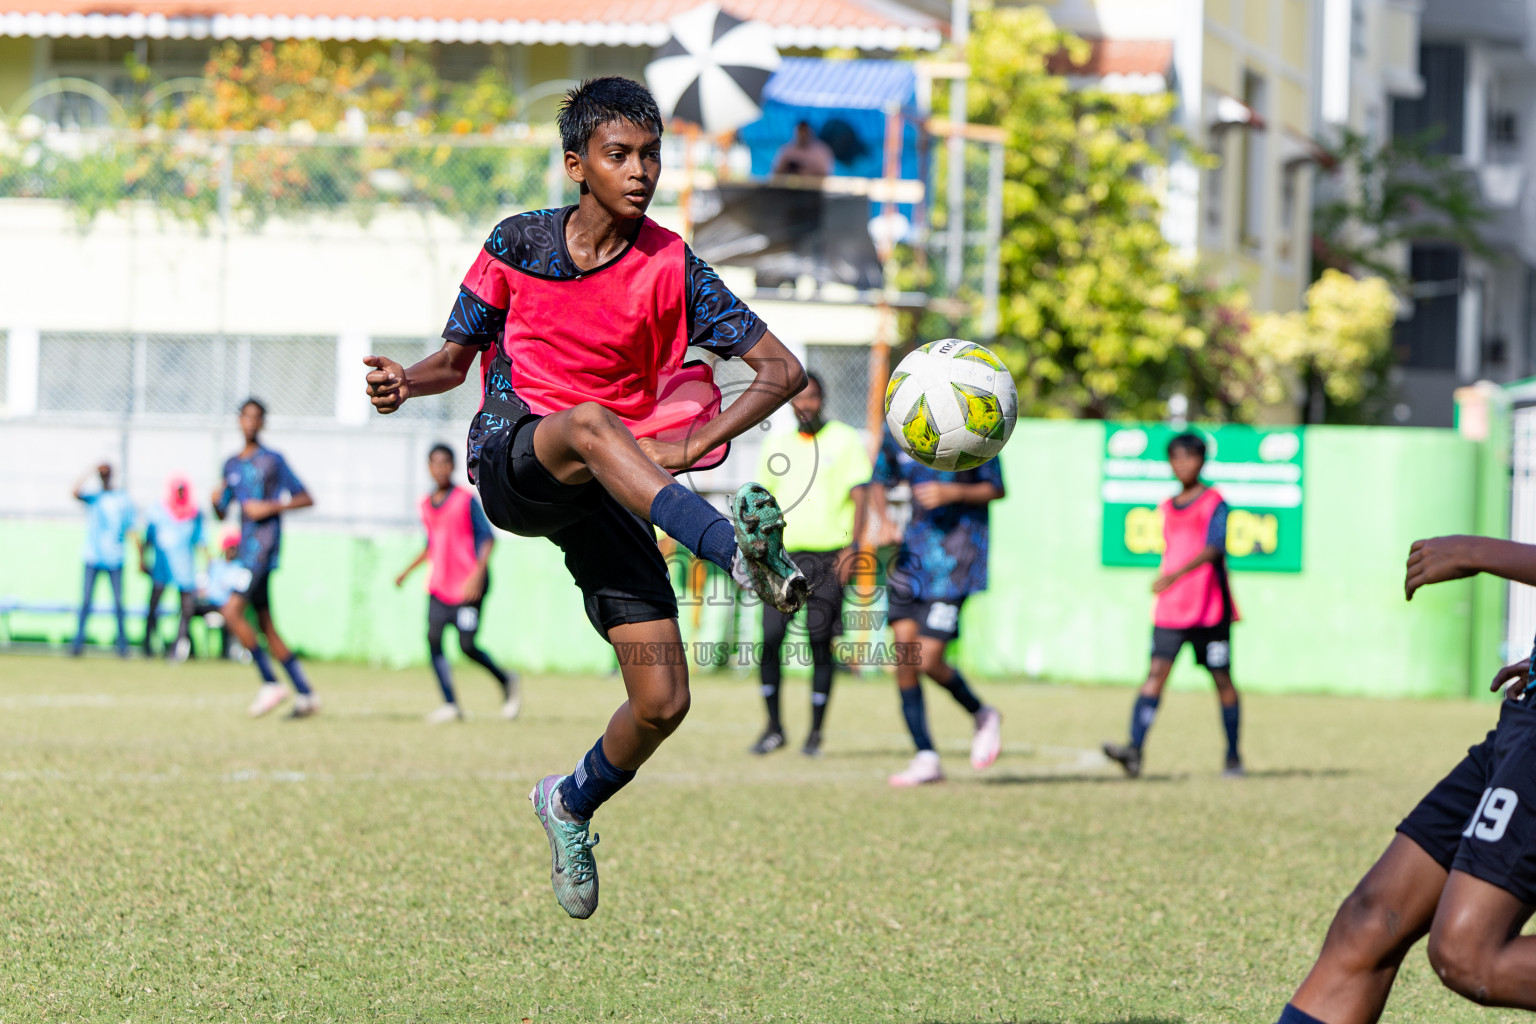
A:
951	404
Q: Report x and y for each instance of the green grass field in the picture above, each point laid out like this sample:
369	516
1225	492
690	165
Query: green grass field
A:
165	858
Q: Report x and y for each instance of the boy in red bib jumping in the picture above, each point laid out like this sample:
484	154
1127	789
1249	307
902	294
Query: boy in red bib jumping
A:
580	318
1194	603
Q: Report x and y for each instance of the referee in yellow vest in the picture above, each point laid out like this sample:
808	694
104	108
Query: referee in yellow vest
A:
815	471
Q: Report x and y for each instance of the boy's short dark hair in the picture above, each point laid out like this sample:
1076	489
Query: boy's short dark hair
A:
598	101
1192	443
812	378
441	449
259	407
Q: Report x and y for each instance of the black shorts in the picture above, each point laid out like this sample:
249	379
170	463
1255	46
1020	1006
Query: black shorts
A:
1481	818
611	553
937	619
464	617
1212	644
824	610
253	585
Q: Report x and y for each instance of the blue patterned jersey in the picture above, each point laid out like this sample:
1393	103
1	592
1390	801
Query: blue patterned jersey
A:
264	476
533	245
943	554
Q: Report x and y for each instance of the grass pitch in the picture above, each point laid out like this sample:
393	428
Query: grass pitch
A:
165	859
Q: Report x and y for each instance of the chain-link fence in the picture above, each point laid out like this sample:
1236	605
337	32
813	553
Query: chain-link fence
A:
966	274
250	177
160	404
198	380
128	385
844	374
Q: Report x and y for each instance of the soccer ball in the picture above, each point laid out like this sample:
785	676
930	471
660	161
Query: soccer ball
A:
951	404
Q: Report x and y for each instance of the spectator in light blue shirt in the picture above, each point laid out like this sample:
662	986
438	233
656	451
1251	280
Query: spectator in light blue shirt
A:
109	522
173	536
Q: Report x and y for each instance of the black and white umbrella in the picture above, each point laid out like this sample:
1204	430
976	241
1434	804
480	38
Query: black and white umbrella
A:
713	69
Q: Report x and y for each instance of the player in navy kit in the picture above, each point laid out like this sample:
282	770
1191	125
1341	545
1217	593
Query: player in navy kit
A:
259	482
941	562
1462	867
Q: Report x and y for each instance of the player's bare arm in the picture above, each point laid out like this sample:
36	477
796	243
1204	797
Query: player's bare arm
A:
1209	554
404	573
1457	557
474	586
389	384
848	561
933	494
779	378
256	510
1519	673
103	471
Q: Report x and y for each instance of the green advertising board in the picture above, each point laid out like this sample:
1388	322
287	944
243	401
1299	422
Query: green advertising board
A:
1257	470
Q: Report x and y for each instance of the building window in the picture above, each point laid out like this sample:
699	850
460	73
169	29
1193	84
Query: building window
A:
1428	339
1440	114
1214	199
1254	169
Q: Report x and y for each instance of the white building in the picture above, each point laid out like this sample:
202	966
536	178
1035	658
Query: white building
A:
1474	316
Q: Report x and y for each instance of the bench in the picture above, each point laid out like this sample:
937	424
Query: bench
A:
10	605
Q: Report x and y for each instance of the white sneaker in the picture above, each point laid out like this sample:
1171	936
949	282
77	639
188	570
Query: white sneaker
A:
183	650
923	769
987	741
304	706
268	698
513	705
445	714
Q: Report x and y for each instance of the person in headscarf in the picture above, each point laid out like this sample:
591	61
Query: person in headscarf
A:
168	556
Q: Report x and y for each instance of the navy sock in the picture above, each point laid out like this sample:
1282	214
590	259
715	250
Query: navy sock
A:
1231	718
296	673
916	714
961	692
484	660
770	692
1291	1015
695	524
1141	718
821	681
444	676
594	781
263	664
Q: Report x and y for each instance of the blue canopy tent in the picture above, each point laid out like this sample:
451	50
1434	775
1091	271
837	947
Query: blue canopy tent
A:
845	103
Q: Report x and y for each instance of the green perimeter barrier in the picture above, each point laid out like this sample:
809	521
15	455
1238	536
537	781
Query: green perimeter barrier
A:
1053	611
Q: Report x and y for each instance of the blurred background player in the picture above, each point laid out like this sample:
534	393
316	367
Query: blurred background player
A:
459	543
258	480
108	524
817	470
217	585
805	155
173	536
942	561
564	445
1194	604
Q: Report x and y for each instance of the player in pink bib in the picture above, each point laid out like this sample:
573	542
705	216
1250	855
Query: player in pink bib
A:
1194	603
459	543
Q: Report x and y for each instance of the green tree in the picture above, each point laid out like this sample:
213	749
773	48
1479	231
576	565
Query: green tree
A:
1375	200
310	116
1378	197
1098	315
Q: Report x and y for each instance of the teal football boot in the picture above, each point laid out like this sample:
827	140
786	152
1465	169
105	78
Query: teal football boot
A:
573	871
762	565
